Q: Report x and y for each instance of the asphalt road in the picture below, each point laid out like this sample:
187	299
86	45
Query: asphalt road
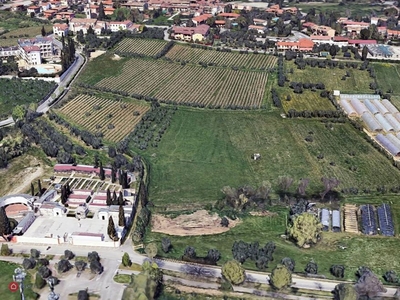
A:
62	85
111	258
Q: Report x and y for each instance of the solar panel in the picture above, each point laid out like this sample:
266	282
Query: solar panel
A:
368	220
385	220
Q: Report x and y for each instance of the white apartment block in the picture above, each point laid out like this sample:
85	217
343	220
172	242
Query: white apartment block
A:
31	54
31	49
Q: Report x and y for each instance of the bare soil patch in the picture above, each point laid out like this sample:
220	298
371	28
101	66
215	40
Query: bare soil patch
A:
96	53
197	223
26	176
116	57
263	213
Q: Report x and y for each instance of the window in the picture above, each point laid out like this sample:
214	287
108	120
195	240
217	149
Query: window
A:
103	218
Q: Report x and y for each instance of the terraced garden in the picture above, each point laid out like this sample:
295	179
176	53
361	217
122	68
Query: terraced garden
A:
114	119
141	46
194	55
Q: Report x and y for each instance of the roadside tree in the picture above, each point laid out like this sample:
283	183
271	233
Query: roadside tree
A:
281	277
233	272
345	291
126	261
151	250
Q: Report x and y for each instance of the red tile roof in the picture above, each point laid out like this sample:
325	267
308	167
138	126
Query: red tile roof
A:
229	15
202	18
369	42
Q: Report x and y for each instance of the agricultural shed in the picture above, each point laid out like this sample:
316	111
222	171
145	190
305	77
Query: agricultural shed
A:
371	107
371	123
382	109
348	108
388	145
395	141
390	107
336	221
393	121
385	124
358	106
325	219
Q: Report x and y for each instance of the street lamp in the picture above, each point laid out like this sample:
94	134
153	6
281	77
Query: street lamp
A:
19	276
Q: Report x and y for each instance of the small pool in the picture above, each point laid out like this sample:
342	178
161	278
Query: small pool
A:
42	70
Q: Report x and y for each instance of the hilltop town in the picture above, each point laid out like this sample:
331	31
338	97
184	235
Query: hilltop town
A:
170	149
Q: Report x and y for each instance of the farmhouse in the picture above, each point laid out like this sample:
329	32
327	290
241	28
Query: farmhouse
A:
201	19
60	29
302	44
190	33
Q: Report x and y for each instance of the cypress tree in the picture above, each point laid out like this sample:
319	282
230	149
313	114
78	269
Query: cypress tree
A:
102	14
121	217
113	174
32	189
43	31
114	198
112	233
5	227
121	198
102	175
109	201
40	187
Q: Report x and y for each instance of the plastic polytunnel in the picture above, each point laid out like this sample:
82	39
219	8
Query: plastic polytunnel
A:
389	105
382	109
393	121
395	141
371	107
348	108
385	124
371	123
358	106
388	145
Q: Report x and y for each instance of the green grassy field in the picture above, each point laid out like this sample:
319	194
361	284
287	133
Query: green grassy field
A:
203	151
7	271
388	77
358	82
354	8
10	38
374	252
308	100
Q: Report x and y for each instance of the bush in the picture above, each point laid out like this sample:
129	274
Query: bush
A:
39	281
5	251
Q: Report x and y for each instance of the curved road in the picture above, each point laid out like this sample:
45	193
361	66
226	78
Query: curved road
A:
72	72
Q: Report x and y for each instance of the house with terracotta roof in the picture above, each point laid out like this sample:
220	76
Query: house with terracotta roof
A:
302	44
60	29
33	9
31	54
340	41
77	24
65	15
201	19
190	34
230	16
117	26
321	39
260	22
392	33
108	11
274	9
319	29
50	13
259	29
220	23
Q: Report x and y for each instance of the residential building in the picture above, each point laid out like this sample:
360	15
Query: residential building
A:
189	34
81	24
33	9
31	54
45	45
65	15
319	29
259	29
201	19
60	29
302	44
9	51
230	16
117	26
321	39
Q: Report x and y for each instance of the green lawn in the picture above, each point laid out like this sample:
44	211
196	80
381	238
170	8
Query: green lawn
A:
354	8
7	271
203	151
307	100
358	82
101	67
374	252
388	77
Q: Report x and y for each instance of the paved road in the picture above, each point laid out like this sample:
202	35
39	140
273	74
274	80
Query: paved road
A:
75	69
111	258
